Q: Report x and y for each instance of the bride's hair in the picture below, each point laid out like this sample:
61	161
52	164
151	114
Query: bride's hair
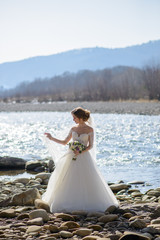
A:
81	113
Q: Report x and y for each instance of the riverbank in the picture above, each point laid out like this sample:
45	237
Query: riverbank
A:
23	215
120	107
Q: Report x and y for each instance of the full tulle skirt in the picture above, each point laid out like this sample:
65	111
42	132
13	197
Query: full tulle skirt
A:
78	185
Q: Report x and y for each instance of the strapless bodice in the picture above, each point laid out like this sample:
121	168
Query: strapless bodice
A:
82	138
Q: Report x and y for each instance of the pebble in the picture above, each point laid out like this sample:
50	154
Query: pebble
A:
65	217
119	187
82	232
42	205
70	224
66	234
33	229
138	223
8	213
39	213
108	218
36	221
140	213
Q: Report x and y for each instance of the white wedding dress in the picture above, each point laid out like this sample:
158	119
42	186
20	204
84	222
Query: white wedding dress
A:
78	184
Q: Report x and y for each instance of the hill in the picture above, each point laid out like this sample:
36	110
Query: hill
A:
13	73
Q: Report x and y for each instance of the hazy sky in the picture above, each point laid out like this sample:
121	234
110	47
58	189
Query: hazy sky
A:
43	27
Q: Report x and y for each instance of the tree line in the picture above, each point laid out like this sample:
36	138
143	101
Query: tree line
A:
118	83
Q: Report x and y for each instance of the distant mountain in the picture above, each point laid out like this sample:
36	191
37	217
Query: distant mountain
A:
13	73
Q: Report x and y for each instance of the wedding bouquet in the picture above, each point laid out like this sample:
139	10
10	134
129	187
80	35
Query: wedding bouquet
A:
76	146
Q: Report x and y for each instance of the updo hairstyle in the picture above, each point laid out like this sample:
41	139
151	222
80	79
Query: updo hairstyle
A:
81	113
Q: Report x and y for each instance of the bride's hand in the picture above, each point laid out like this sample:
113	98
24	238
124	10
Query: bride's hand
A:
76	152
48	135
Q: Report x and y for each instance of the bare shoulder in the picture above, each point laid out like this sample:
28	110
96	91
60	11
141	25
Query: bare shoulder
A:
73	129
90	129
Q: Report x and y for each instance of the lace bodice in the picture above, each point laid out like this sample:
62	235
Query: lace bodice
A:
83	138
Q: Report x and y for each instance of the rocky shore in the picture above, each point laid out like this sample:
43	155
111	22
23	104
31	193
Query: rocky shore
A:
23	215
120	107
14	163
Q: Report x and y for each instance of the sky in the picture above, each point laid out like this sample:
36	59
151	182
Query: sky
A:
43	27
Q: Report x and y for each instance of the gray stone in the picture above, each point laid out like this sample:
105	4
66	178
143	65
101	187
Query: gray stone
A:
22	180
95	214
49	238
66	234
12	163
51	165
40	204
81	213
151	230
82	232
155	221
32	165
8	213
111	209
33	229
154	193
65	217
36	221
25	198
119	187
108	218
95	227
138	223
53	229
23	216
39	213
136	194
133	236
156	213
137	182
70	224
43	175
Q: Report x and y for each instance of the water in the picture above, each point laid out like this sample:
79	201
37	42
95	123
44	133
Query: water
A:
128	146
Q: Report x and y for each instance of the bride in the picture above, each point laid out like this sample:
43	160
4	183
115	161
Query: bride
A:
76	183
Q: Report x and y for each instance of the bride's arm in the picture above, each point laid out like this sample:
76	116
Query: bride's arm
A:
64	142
90	140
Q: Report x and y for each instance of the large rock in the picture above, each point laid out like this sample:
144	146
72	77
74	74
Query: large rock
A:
119	187
12	163
25	198
32	165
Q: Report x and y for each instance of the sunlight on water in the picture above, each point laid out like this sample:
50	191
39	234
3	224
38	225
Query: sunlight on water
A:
128	146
